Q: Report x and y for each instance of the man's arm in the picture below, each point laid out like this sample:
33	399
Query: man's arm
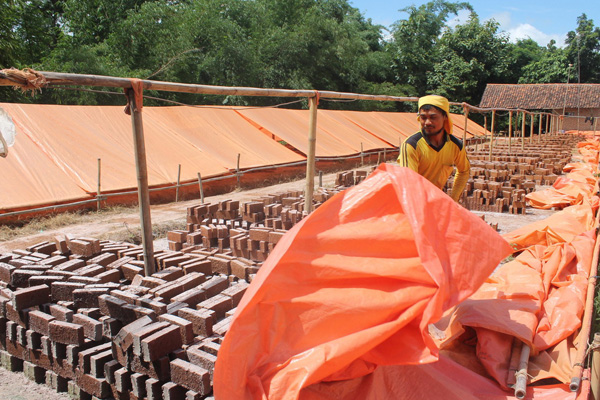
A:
463	168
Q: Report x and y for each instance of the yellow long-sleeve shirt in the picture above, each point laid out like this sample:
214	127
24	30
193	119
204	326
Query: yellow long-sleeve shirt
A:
436	164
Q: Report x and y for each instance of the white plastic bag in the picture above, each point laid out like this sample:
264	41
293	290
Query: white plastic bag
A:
7	132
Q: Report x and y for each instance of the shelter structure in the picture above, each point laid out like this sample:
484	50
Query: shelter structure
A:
578	102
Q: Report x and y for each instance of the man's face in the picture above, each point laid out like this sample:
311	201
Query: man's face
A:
432	121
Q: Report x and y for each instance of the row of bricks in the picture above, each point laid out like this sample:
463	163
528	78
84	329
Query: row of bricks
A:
191	290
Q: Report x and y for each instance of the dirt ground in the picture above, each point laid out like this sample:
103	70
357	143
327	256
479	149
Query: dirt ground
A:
14	386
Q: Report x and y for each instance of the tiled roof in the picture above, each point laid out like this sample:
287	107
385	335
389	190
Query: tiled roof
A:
541	96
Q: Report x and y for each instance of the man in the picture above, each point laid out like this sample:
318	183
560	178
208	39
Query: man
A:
434	152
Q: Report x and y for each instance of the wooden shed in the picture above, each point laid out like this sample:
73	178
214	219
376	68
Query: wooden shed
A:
579	102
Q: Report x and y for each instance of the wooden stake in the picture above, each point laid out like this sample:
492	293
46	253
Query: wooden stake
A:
509	131
466	112
523	133
142	178
492	134
237	171
201	188
178	180
98	192
310	159
531	128
595	379
521	385
362	161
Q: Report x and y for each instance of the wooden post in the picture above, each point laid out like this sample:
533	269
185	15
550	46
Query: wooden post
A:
547	124
466	112
492	134
321	179
237	171
178	180
362	160
595	379
201	188
523	133
521	374
98	192
540	129
384	154
142	178
509	131
532	119
310	158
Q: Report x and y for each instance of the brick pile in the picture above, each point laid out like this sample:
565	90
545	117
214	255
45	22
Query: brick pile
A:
501	185
80	315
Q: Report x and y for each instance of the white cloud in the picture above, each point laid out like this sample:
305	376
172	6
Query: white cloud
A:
524	31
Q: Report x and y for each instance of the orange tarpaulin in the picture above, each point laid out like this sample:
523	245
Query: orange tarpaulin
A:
355	286
55	155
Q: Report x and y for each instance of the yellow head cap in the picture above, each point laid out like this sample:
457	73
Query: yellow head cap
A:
440	102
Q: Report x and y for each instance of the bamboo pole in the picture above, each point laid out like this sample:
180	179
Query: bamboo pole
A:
595	378
178	181
521	375
588	312
60	78
310	158
362	160
237	171
532	119
99	181
466	112
510	132
492	134
523	133
200	188
142	179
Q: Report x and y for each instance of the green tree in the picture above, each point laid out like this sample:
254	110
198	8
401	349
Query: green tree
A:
414	41
468	57
583	50
551	67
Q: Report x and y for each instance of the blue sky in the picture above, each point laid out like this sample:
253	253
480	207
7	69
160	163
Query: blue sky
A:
536	19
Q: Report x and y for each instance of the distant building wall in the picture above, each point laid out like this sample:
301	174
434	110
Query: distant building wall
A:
584	122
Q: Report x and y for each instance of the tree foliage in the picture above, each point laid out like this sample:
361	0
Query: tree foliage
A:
298	44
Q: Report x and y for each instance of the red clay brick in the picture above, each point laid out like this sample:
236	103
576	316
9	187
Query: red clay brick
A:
190	376
66	333
31	296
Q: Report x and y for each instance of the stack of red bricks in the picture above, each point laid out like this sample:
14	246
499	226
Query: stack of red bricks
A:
501	185
81	316
255	230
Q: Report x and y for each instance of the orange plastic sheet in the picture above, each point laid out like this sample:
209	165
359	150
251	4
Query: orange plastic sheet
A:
55	156
579	185
352	288
560	227
536	299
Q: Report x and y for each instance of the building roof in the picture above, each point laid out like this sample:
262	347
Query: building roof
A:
541	96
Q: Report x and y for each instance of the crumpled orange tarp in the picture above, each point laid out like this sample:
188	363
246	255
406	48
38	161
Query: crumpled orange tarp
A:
354	286
579	185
